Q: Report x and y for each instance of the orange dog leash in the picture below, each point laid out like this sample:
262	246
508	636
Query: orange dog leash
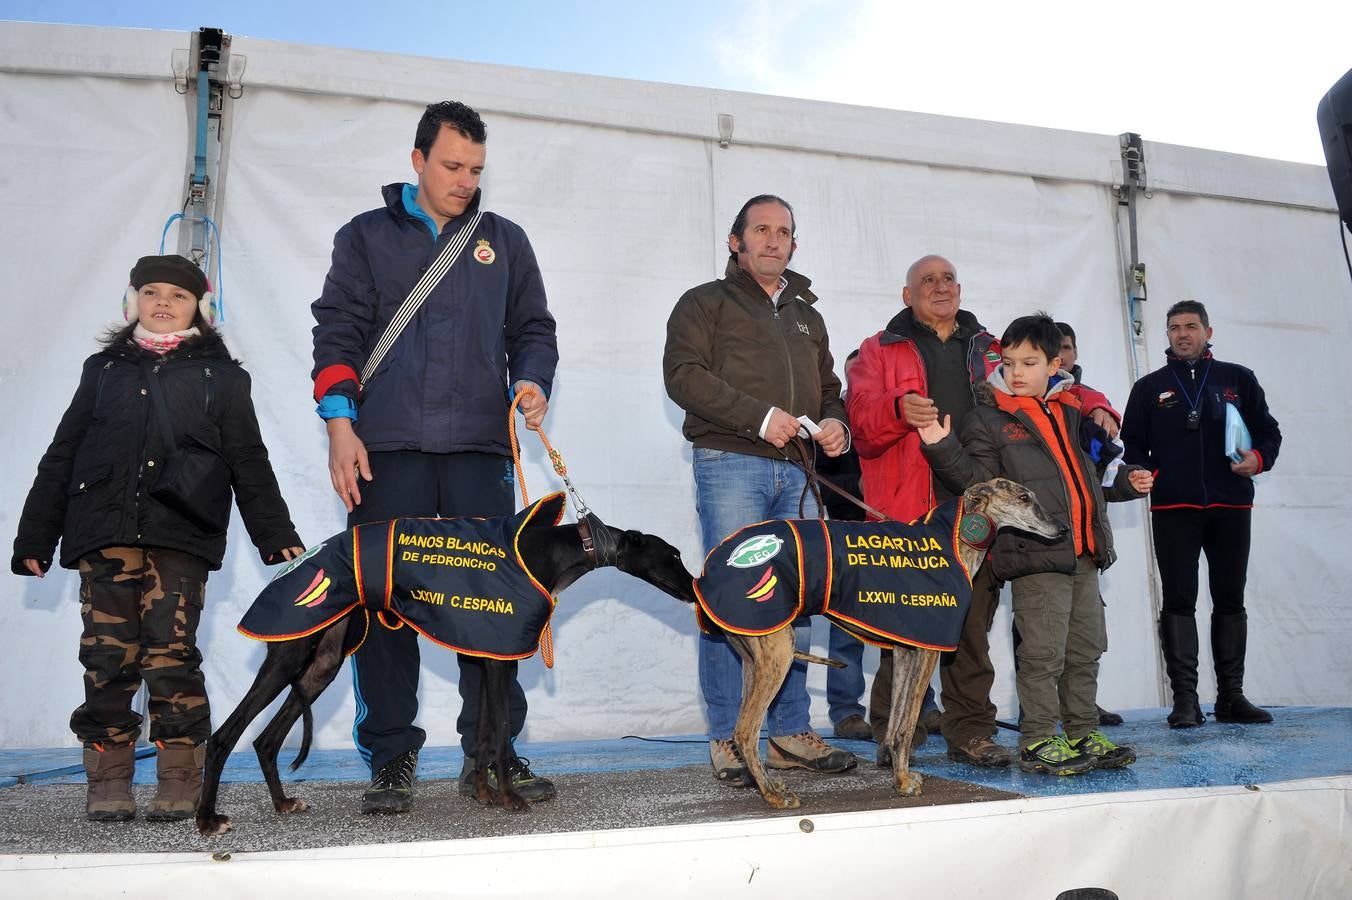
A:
580	506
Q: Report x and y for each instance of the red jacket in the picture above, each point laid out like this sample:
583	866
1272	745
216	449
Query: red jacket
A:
894	475
1090	399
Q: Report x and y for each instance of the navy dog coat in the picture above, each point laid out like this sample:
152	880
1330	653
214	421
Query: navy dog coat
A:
901	583
460	583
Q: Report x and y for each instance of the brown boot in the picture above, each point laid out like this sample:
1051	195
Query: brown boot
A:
108	772
179	768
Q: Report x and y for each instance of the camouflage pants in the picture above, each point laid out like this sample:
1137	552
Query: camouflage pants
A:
140	607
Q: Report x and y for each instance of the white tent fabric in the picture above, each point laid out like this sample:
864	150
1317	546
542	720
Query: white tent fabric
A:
627	196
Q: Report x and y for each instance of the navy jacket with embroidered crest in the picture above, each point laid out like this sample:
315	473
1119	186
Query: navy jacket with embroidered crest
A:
459	582
902	583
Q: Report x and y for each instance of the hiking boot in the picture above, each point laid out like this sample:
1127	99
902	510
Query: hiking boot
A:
1053	756
854	728
532	788
1108	718
108	772
728	764
1106	754
391	790
1237	708
930	719
979	751
807	751
179	771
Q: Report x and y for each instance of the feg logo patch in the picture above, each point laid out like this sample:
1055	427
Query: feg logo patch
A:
755	550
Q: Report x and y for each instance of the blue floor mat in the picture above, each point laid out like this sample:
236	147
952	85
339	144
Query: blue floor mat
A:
1303	742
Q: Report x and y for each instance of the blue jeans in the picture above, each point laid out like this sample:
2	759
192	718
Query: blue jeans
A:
733	490
845	687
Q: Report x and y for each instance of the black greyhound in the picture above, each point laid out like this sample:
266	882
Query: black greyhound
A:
555	555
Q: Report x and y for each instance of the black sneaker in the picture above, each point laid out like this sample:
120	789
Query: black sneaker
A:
533	788
391	790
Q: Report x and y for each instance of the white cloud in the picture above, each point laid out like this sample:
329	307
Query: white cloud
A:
1243	77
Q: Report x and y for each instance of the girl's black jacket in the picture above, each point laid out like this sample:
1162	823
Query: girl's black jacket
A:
92	486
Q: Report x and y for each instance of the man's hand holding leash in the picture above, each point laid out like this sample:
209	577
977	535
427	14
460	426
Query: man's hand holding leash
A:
533	404
832	437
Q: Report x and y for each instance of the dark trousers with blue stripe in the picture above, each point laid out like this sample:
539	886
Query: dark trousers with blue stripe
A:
408	483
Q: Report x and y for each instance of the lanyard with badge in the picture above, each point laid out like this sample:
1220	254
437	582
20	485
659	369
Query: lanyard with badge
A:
1194	421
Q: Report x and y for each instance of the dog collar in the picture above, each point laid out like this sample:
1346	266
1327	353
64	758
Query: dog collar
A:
977	530
597	542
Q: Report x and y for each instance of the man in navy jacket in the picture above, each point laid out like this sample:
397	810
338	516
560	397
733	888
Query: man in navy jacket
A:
1201	503
426	435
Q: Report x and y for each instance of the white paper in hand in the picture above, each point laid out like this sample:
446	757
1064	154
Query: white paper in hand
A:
809	427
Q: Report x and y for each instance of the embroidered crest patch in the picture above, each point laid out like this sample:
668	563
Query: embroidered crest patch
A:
755	550
484	253
976	530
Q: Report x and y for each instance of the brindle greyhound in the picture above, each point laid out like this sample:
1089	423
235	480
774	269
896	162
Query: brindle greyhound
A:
557	556
766	658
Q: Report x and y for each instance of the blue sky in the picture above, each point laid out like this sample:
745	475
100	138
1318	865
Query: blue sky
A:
1241	76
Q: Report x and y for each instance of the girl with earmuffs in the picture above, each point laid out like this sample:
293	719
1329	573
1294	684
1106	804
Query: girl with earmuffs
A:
136	486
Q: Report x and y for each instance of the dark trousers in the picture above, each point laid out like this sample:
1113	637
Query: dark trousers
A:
408	483
966	675
1181	536
140	607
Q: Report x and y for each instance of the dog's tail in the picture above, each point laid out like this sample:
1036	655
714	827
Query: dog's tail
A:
307	726
819	660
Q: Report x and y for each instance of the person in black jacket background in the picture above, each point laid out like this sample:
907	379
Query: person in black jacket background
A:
143	562
1202	502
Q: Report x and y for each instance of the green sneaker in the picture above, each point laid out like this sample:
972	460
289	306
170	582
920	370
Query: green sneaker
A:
1053	756
1106	754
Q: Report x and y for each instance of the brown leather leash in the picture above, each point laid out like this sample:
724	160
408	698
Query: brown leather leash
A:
812	475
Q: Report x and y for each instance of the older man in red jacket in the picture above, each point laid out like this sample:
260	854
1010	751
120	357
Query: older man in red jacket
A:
917	370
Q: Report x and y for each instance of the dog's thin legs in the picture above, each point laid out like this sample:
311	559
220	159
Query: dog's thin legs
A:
493	743
318	675
285	660
912	669
765	663
483	747
496	675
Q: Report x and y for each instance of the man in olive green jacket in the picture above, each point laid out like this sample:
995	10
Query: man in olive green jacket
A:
746	356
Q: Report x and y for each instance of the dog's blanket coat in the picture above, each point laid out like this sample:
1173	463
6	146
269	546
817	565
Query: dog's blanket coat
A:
902	583
459	582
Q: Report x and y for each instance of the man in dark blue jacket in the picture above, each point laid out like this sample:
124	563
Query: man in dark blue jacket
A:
426	434
1201	503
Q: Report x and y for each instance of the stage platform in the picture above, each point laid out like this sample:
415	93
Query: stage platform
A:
1221	810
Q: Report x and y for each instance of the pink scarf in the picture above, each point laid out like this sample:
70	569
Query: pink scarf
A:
161	343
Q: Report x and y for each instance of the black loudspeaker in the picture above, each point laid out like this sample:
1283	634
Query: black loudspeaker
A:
1335	130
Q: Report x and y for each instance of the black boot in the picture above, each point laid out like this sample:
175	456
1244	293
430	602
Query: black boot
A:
1178	637
1229	638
